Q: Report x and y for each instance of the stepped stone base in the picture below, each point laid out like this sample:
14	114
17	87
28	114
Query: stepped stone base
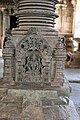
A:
18	104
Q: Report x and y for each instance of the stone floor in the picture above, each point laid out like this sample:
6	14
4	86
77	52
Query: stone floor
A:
73	75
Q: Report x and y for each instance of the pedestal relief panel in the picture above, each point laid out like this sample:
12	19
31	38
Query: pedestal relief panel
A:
33	58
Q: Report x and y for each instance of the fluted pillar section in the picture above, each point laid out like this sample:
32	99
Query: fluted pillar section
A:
35	13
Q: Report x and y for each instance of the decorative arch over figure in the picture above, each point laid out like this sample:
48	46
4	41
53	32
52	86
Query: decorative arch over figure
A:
33	58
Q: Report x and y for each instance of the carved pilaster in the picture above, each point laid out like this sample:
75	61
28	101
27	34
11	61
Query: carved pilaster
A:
9	60
60	56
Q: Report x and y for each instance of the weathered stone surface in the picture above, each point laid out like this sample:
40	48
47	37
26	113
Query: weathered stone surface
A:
11	104
10	107
40	104
3	91
34	58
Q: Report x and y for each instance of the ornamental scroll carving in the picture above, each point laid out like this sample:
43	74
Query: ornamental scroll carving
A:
33	59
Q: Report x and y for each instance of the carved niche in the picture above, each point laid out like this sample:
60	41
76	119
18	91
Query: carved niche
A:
33	58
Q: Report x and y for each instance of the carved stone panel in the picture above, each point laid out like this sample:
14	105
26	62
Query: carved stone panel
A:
33	57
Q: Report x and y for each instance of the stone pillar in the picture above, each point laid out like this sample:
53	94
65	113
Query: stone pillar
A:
0	30
40	14
76	32
29	17
76	29
59	19
6	21
6	18
60	23
69	18
65	20
29	52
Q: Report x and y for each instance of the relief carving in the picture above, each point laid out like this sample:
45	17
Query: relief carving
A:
33	54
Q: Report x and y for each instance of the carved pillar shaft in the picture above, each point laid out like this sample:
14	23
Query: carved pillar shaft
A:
33	13
36	13
65	20
69	18
4	23
59	10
